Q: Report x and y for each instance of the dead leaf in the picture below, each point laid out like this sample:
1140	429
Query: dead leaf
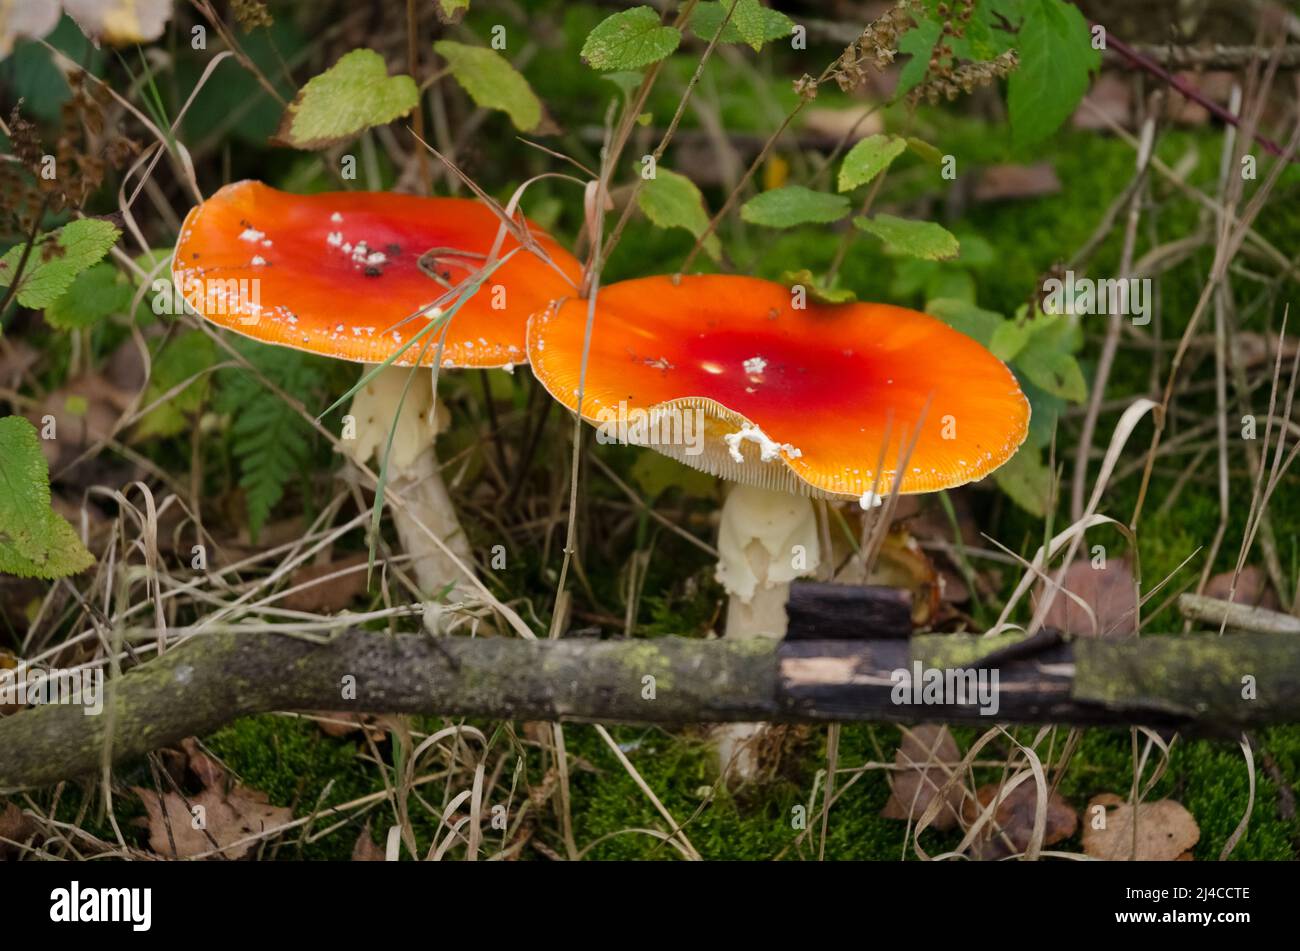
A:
327	597
1112	95
1254	350
15	826
1015	820
1109	591
212	816
338	723
1165	830
365	849
1252	588
216	814
916	785
16	358
1004	182
835	124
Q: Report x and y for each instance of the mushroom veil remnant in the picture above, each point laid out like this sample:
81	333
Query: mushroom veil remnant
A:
794	402
358	276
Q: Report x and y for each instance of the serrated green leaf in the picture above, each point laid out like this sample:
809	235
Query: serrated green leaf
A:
1026	481
56	260
963	316
96	293
919	239
671	200
794	205
868	158
184	357
628	40
353	94
35	542
1056	60
492	82
822	295
917	43
751	23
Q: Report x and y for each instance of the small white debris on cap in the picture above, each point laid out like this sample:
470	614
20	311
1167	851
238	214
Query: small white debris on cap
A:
768	449
258	260
252	234
870	500
755	365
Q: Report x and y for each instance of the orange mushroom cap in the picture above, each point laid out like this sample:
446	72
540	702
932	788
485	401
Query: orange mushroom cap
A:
339	273
817	390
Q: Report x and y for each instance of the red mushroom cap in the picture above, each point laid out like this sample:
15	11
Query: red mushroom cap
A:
813	389
339	273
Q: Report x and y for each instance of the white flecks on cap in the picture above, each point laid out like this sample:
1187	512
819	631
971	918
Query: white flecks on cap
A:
258	260
336	218
870	500
334	239
755	365
252	234
768	449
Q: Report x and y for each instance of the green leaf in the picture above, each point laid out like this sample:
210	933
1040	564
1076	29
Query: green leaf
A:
1047	359
56	260
919	239
926	151
492	82
628	40
951	282
868	158
751	23
626	81
185	356
917	43
655	474
671	200
1056	58
451	11
353	94
794	205
1010	339
1026	481
822	295
975	322
35	542
270	441
95	294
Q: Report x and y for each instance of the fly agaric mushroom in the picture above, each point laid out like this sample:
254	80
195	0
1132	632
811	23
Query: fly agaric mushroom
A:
726	374
356	275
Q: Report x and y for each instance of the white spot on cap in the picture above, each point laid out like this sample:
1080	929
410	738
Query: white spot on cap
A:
258	260
870	500
251	234
768	449
755	365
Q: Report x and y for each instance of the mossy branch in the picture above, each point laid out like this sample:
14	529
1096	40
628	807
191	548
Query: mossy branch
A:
1203	683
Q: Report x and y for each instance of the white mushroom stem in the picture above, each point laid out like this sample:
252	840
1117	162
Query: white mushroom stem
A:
413	471
766	540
